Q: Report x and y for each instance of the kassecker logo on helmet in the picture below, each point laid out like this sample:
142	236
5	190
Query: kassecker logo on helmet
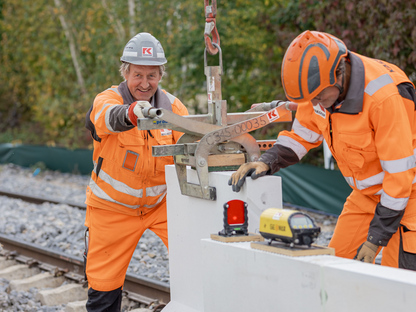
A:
147	51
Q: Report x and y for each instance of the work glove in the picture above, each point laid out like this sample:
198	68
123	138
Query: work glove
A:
366	252
254	169
135	111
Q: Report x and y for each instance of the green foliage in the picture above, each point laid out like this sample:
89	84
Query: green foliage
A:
56	55
379	29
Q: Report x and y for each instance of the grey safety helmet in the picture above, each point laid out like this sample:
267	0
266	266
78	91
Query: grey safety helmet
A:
144	49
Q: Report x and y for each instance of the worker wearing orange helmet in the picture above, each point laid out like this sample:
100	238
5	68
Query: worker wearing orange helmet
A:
365	110
127	191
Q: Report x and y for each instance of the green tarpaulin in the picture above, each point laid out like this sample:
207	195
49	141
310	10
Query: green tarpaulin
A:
303	185
54	158
314	187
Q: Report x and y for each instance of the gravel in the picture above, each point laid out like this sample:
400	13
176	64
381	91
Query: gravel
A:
61	227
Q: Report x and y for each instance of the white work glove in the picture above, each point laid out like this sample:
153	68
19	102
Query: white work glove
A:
135	111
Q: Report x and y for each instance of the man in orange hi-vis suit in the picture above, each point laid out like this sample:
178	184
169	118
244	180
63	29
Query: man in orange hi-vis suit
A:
127	191
365	110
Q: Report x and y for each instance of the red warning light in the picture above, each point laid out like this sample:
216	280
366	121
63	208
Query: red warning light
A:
236	212
235	218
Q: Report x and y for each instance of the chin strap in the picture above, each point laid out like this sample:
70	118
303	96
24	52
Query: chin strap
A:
341	87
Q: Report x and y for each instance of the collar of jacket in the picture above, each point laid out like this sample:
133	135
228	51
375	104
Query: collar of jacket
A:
353	103
158	100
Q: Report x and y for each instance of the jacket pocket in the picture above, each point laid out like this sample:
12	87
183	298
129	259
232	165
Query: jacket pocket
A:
409	240
407	251
130	152
359	148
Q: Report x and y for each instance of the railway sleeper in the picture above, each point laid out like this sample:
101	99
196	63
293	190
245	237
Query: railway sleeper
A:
55	285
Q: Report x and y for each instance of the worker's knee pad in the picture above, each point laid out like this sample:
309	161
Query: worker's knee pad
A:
407	251
109	301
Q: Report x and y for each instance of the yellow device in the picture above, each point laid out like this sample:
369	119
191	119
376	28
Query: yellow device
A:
289	226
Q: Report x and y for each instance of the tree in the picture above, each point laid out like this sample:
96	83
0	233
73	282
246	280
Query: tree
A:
56	55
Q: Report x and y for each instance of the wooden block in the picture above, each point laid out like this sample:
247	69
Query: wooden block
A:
238	238
296	251
226	160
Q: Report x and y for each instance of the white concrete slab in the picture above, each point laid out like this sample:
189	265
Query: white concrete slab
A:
212	276
191	219
238	278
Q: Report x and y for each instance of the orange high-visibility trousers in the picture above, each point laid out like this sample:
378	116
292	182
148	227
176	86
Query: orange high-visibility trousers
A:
112	240
352	228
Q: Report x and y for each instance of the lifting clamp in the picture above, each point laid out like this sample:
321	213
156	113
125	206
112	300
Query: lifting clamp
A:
217	135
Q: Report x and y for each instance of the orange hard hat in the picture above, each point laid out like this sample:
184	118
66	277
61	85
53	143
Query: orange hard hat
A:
310	63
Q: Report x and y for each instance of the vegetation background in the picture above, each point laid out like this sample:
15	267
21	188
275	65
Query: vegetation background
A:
56	55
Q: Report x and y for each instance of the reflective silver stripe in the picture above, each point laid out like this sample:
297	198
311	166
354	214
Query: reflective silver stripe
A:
103	195
156	190
120	186
371	181
114	89
107	119
157	203
170	97
377	84
99	113
393	203
306	134
350	181
294	145
399	165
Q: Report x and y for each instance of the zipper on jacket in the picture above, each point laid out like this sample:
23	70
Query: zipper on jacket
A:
330	127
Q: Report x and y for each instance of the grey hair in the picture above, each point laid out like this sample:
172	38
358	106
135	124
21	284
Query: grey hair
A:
125	70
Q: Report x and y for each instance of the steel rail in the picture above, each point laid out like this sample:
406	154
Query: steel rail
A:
149	290
39	200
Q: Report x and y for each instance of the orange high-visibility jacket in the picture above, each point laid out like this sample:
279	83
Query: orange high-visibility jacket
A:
126	177
371	134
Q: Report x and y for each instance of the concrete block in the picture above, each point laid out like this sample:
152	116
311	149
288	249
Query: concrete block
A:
62	295
6	263
76	306
239	278
18	271
42	280
202	218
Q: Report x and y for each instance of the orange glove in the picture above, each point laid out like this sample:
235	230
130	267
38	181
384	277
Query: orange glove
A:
254	169
366	252
135	111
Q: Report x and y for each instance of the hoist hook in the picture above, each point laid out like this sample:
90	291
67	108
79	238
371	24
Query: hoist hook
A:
211	27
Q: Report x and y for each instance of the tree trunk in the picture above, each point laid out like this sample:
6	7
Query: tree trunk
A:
72	47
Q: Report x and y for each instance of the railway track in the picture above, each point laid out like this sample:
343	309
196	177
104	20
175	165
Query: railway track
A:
39	200
138	291
147	293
